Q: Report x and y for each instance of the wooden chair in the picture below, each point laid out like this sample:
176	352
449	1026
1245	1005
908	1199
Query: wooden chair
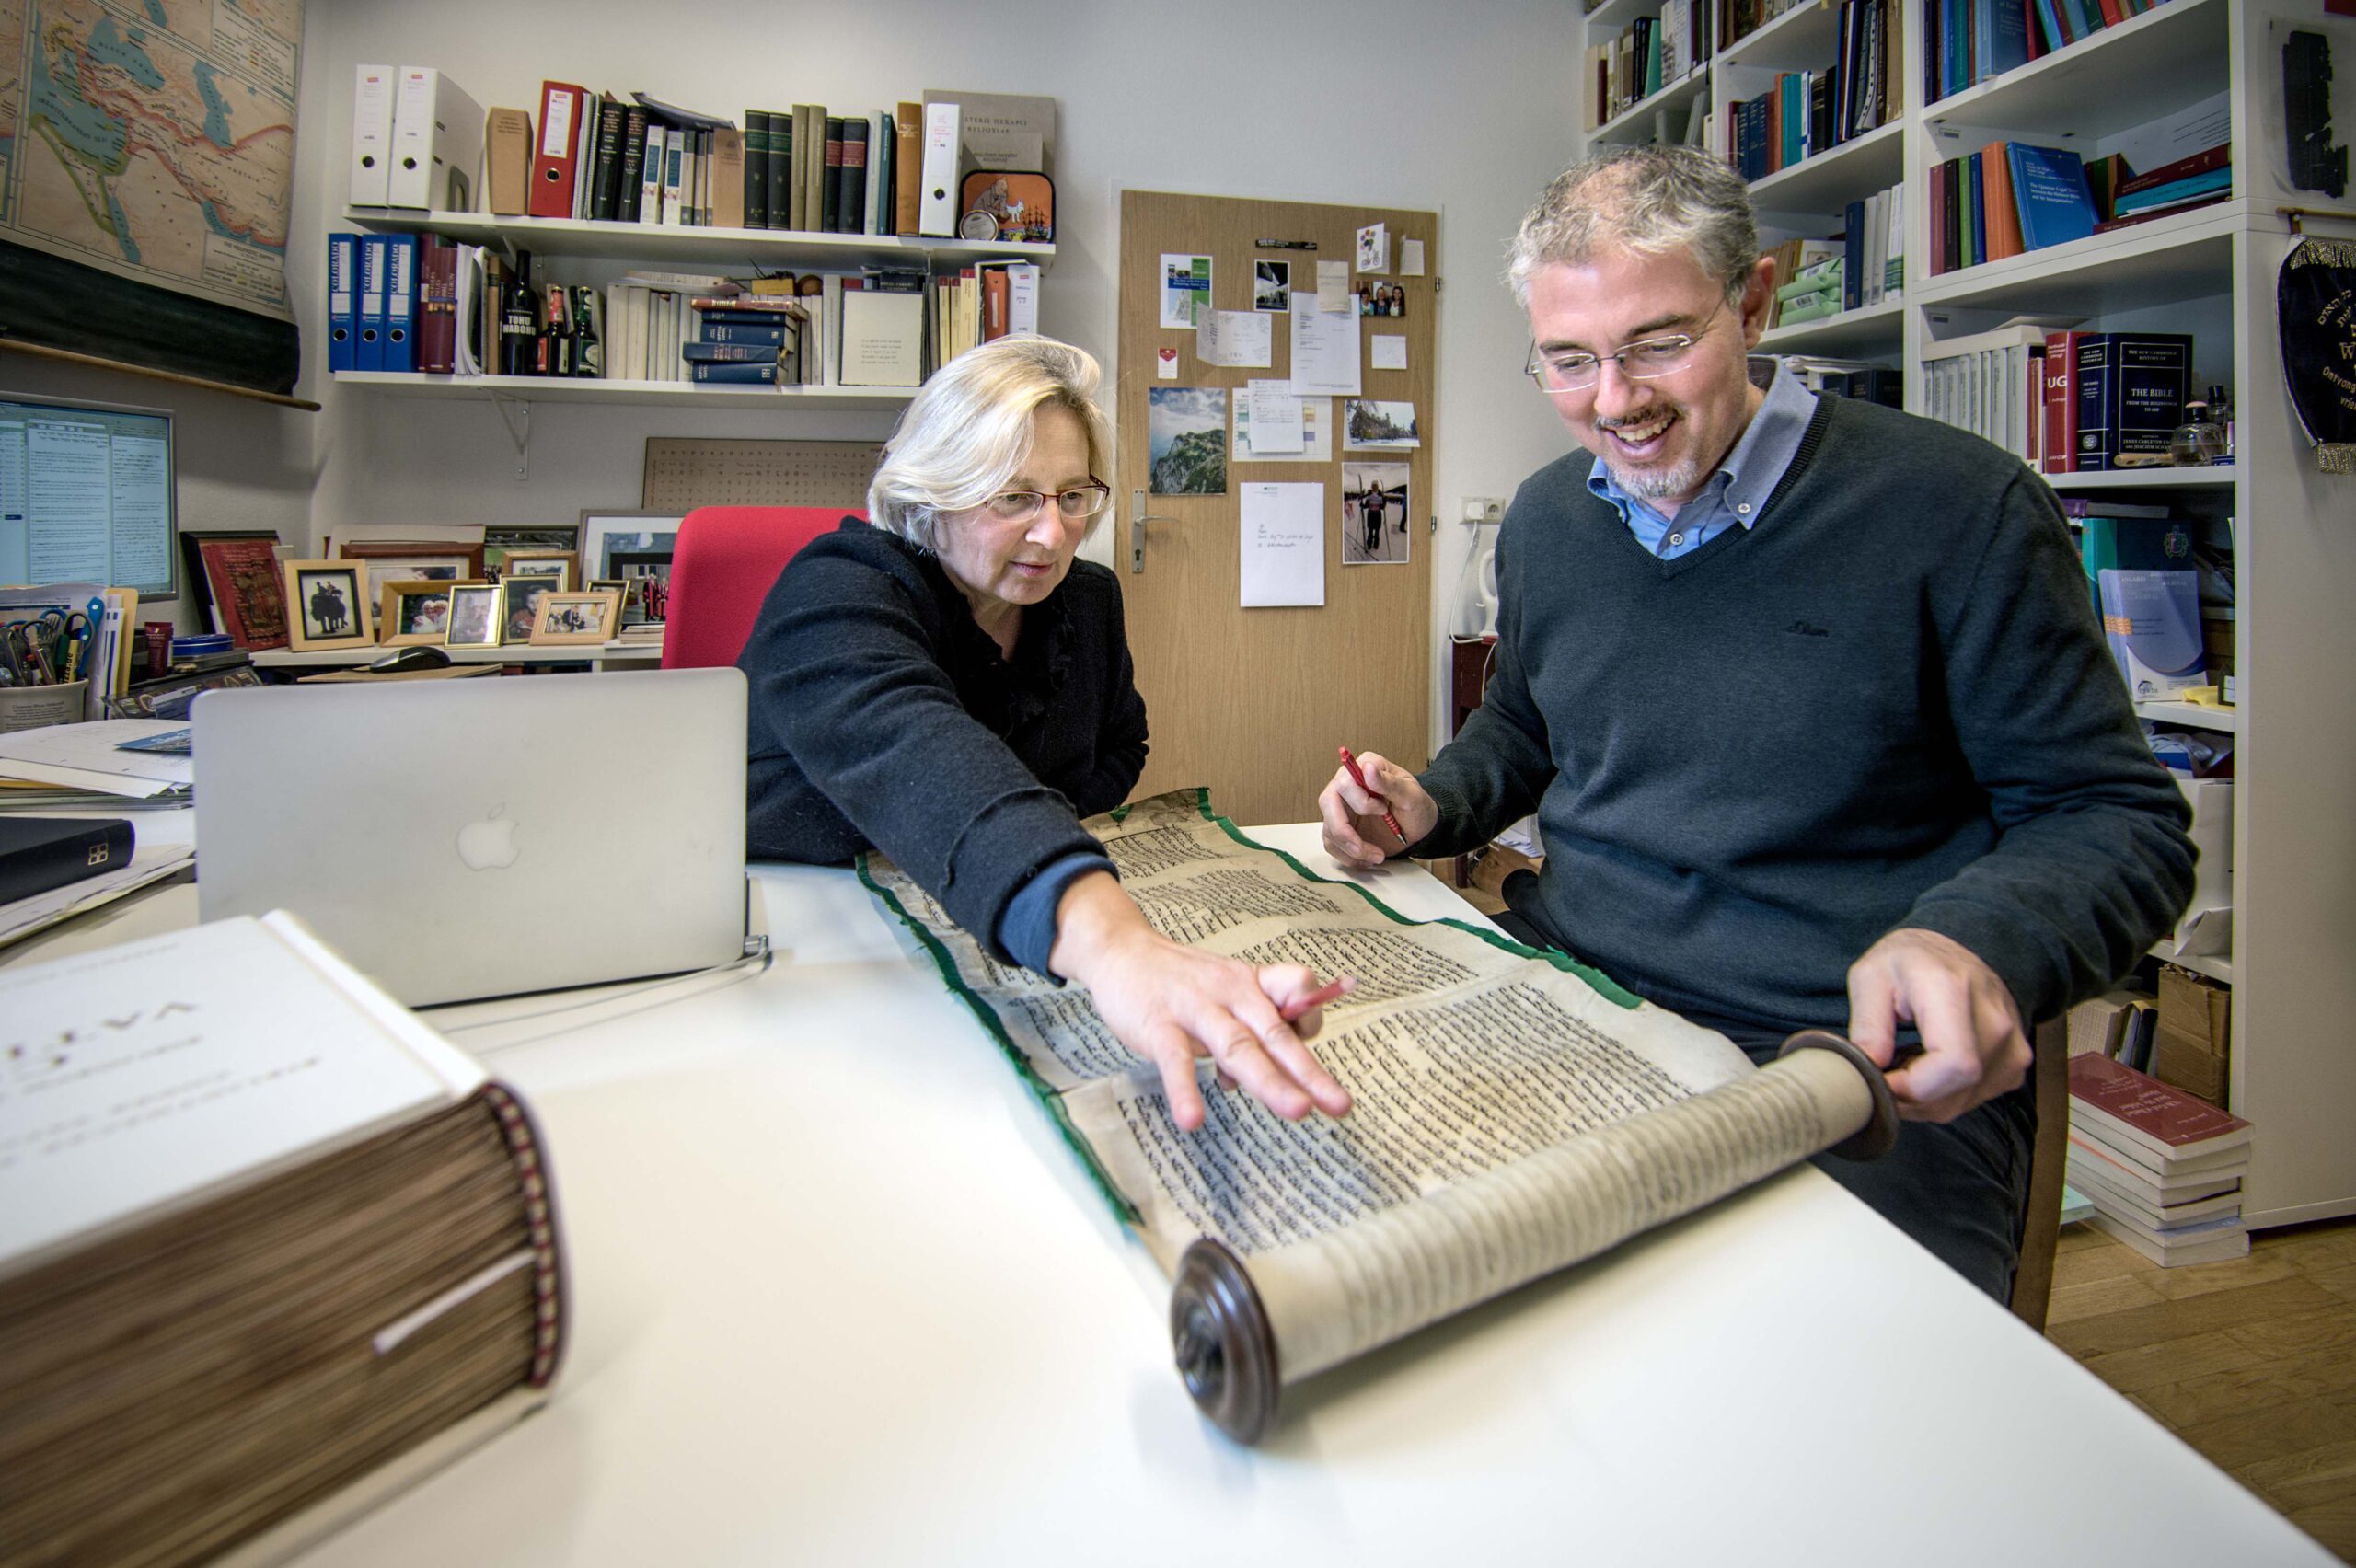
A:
2033	1278
724	563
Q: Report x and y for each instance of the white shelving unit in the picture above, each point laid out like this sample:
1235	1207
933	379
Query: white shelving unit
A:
565	389
2211	273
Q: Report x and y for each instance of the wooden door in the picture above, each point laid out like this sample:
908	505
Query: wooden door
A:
1254	702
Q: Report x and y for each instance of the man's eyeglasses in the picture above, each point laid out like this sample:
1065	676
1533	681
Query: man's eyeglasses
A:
1578	371
1071	505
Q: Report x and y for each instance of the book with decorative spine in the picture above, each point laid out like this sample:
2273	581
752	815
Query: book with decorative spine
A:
270	1247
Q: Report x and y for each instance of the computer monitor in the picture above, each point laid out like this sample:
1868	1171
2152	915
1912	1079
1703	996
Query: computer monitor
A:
87	494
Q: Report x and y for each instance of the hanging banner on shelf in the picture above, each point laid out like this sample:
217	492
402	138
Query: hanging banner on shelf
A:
2315	296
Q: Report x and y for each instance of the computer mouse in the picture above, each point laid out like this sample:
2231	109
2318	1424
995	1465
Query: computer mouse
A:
422	656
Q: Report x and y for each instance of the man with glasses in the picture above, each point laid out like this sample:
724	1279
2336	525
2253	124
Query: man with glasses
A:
1809	701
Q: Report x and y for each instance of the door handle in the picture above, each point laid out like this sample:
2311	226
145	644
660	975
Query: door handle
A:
1138	518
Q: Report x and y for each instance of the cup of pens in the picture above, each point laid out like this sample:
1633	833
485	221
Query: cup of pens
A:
31	707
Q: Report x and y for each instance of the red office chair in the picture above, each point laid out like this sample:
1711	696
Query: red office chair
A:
726	562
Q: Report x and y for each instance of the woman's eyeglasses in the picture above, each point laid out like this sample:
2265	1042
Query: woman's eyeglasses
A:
1071	505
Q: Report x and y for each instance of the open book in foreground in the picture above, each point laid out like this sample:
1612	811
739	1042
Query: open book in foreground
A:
1514	1113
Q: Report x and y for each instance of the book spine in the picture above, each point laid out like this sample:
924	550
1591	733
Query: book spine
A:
87	849
763	374
650	175
710	352
2060	405
756	169
2153	375
830	182
633	175
438	305
780	170
605	174
772	333
852	206
2090	369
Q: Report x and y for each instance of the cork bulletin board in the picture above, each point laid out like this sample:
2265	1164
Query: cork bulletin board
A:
682	473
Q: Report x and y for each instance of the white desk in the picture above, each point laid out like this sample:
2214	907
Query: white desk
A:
842	1294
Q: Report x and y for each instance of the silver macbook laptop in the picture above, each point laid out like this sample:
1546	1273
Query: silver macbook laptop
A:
466	838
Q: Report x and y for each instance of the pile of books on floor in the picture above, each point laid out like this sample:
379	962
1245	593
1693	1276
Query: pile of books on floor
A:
2163	1170
269	1248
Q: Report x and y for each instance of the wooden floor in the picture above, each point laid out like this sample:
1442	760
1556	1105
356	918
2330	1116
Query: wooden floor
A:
2251	1361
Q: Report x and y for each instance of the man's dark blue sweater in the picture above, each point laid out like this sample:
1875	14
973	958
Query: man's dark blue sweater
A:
1888	704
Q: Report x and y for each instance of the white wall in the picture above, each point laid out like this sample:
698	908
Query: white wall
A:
1464	112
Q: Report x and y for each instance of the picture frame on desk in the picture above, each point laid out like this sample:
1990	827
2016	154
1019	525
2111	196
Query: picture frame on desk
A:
415	611
240	591
448	559
477	615
498	540
561	568
576	620
327	606
519	604
634	547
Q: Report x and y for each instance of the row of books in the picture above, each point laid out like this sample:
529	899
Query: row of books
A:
2163	1170
645	163
426	304
1968	41
2010	197
2063	401
1737	20
1650	54
1807	112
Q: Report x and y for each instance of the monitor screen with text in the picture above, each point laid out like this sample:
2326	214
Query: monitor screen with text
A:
86	494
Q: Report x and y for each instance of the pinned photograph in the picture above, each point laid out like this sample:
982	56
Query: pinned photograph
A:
1374	514
1185	289
326	603
1272	285
414	611
1379	299
1368	423
577	617
474	616
1186	438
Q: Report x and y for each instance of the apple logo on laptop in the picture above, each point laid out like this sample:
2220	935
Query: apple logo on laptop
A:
489	845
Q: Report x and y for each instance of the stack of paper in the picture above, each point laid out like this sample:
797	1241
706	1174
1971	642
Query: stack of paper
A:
2163	1170
63	767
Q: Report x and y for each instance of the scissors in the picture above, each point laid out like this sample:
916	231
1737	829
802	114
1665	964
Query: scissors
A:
66	632
25	646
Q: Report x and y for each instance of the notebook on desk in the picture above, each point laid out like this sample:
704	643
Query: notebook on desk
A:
461	839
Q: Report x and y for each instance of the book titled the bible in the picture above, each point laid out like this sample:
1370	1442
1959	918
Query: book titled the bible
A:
1513	1111
269	1248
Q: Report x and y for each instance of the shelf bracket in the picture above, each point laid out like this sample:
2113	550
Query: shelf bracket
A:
516	413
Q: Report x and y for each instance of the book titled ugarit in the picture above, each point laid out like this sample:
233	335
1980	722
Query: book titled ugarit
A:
2126	1107
270	1247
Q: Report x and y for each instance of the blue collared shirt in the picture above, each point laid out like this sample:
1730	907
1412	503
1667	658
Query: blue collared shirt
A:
1737	491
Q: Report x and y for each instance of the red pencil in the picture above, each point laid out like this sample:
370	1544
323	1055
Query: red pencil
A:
1380	804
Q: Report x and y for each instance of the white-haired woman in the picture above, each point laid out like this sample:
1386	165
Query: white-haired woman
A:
950	685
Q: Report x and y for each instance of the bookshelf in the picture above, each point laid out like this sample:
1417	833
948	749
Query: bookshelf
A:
2210	272
593	242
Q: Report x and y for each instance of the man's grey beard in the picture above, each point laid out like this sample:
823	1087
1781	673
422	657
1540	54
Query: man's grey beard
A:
1655	484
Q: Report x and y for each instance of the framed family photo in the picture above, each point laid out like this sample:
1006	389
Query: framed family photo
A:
559	569
474	618
633	549
446	559
326	604
519	604
414	611
577	618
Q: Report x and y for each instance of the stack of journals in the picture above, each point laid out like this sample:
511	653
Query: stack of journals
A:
1814	287
2123	197
268	1248
2163	1170
1992	384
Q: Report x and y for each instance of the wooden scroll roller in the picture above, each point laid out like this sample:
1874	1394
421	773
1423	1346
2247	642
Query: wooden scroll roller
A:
1240	1333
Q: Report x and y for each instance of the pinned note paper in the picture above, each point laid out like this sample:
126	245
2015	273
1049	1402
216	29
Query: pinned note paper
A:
1284	545
1387	351
1316	434
1410	257
1242	338
1334	295
1324	354
1274	416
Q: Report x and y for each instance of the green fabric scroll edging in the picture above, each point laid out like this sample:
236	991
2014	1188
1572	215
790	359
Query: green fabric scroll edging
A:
1052	1099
